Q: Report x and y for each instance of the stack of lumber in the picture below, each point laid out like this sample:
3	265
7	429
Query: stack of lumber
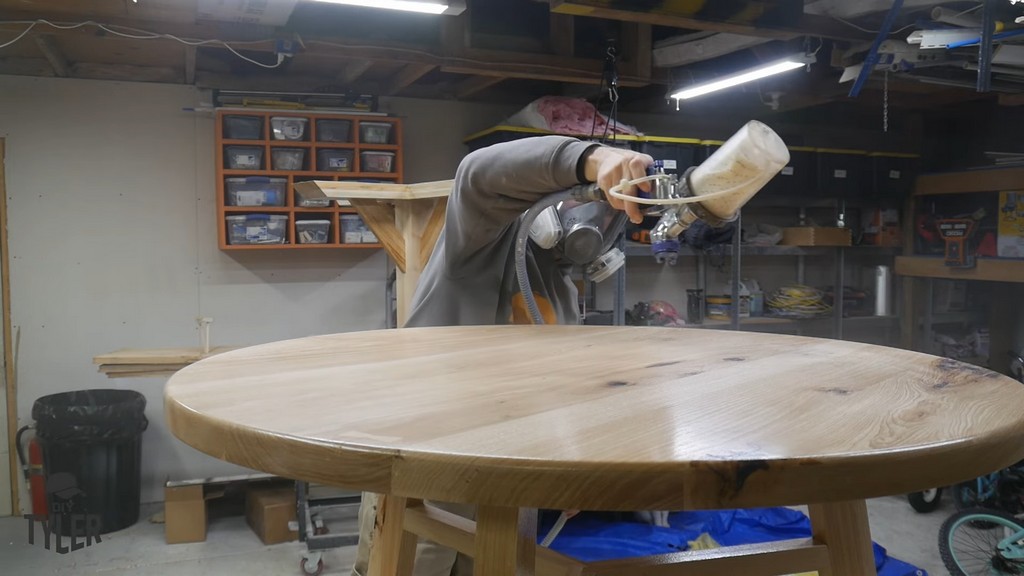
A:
139	363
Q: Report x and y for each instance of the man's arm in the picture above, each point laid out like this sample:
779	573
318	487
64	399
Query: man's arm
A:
494	185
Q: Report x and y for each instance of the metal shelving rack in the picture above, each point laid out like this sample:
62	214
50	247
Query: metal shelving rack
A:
767	323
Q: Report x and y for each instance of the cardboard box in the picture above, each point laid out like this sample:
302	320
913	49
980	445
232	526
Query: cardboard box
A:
882	228
268	512
184	514
810	236
1010	241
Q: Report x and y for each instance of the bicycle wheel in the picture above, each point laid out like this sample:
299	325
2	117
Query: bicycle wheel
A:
969	550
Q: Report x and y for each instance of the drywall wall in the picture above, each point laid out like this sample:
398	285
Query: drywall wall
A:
113	242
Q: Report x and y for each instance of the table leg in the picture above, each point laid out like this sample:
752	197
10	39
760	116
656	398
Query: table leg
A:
843	527
506	541
393	550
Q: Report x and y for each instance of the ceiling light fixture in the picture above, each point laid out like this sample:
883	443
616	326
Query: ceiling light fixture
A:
771	69
420	6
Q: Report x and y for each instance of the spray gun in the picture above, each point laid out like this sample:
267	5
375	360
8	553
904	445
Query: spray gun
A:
582	227
714	191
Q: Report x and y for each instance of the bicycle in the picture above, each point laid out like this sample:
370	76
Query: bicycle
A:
1001	490
985	536
982	541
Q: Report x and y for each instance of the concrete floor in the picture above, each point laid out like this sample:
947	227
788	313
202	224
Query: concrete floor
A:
232	548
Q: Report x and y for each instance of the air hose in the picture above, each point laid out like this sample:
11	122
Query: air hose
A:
523	239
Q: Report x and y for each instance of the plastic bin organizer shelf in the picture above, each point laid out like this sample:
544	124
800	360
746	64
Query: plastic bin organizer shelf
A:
257	229
842	173
92	455
264	155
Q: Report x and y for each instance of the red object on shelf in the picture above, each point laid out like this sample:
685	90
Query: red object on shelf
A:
36	477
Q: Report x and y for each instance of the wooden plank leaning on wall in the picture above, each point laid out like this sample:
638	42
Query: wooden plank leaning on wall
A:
10	381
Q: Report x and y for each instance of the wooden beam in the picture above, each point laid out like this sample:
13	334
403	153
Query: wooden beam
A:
993	180
989	269
406	76
1011	99
807	25
562	34
637	40
126	73
10	376
353	70
458	533
190	65
455	34
48	46
469	61
767	559
475	84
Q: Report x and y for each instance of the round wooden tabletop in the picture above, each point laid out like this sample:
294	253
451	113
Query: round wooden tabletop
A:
600	418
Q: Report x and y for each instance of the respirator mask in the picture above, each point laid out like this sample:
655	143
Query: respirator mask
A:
582	233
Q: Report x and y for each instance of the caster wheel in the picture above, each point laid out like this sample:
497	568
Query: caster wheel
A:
310	568
925	501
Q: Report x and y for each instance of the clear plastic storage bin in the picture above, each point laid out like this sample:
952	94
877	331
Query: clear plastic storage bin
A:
237	127
287	158
333	130
257	229
243	157
375	132
312	231
288	128
256	191
353	229
377	161
303	202
334	160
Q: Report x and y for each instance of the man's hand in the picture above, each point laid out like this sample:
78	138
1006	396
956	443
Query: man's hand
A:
607	166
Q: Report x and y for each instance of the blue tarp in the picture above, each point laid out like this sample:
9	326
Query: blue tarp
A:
592	537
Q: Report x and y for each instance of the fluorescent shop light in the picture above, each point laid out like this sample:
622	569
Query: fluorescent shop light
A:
746	76
421	6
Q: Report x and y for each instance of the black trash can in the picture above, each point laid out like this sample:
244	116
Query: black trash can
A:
92	455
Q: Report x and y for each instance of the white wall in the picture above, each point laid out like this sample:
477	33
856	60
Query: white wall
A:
113	242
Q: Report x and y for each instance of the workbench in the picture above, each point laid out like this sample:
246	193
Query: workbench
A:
516	418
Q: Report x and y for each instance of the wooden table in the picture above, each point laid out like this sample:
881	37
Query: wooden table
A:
515	418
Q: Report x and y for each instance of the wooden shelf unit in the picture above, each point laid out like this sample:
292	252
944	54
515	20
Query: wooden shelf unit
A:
311	145
919	272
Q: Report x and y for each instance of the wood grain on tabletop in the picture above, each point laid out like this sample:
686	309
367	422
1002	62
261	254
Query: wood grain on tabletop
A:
607	418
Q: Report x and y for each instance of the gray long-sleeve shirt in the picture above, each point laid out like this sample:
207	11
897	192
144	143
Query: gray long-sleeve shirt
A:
470	277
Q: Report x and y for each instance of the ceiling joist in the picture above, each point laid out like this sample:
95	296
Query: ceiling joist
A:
48	46
474	84
407	75
685	17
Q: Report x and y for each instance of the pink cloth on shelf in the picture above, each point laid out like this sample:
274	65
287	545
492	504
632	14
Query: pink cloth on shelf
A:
574	116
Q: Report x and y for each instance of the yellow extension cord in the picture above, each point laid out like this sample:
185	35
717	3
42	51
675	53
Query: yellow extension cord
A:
798	300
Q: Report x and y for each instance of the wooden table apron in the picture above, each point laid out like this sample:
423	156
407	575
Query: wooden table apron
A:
600	418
